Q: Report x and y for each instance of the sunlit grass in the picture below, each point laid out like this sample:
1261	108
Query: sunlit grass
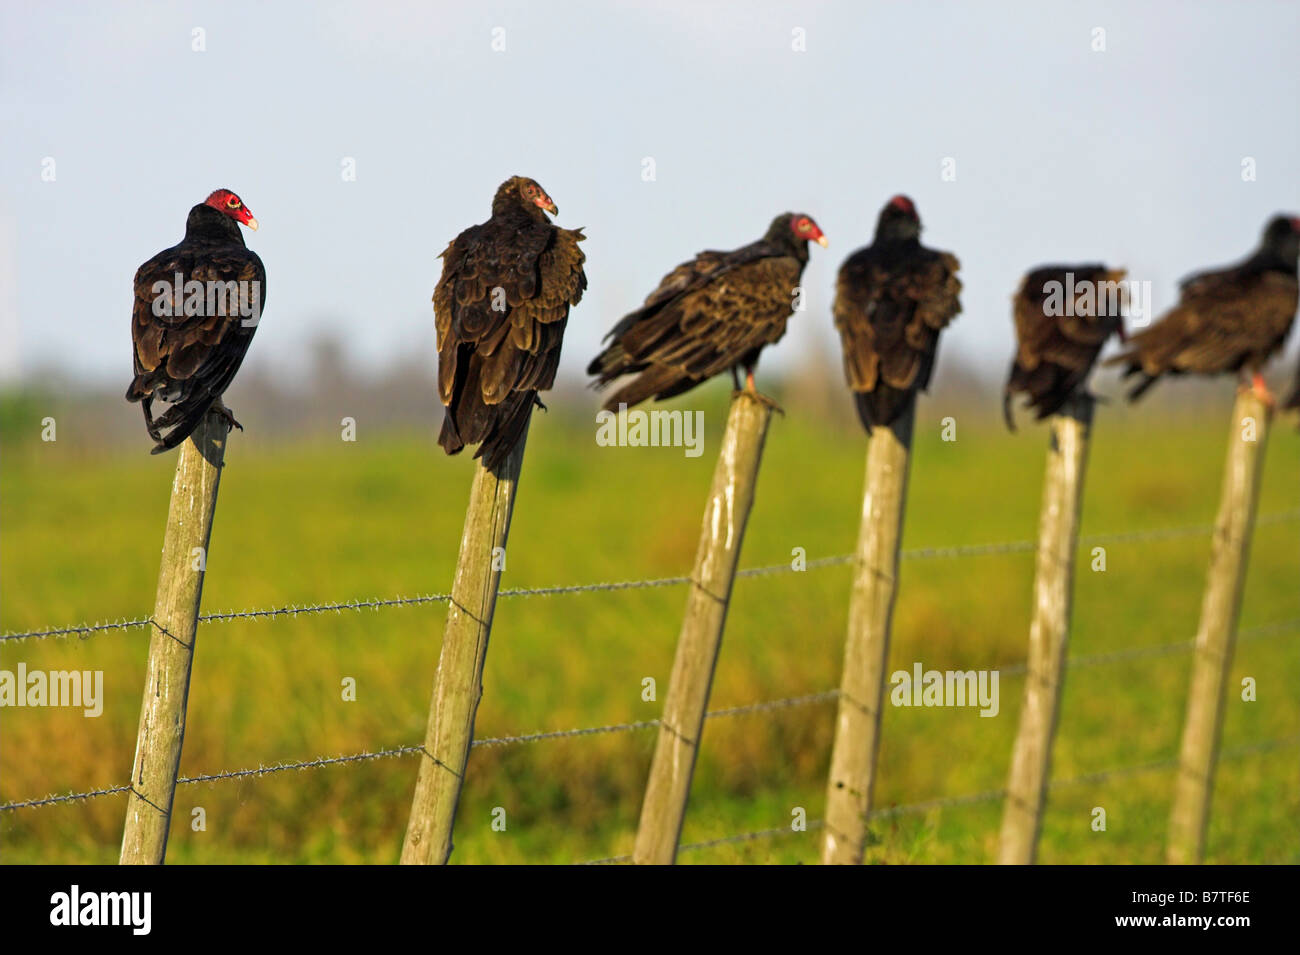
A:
80	535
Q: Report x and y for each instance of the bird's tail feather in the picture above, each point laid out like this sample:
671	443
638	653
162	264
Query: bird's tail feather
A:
507	430
661	381
1141	388
180	419
881	407
495	428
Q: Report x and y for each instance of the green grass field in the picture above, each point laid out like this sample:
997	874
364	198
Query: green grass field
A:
320	520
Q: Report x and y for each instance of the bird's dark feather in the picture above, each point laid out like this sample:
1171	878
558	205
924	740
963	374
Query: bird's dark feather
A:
892	300
710	314
187	362
1226	320
1055	352
496	350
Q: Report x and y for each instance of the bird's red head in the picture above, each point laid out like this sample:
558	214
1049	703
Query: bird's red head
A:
904	205
805	228
535	194
223	200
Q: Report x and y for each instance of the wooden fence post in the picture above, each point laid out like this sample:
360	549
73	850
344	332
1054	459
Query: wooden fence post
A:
1049	633
458	686
1217	633
171	646
866	649
725	517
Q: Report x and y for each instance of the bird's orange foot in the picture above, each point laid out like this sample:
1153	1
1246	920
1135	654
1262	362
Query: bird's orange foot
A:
760	398
752	390
1260	388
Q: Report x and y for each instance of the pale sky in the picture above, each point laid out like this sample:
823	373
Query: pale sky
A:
1131	155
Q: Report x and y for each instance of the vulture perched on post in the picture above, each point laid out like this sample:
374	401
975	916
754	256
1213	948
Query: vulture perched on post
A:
1063	315
1230	320
892	300
500	309
712	314
196	308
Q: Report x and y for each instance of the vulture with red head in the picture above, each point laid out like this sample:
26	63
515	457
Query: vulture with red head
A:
1228	320
1063	316
197	306
713	314
892	300
500	309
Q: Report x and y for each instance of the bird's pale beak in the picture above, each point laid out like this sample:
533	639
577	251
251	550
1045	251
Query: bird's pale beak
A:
252	223
823	241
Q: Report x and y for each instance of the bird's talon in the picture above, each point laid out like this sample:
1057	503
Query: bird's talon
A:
228	417
761	398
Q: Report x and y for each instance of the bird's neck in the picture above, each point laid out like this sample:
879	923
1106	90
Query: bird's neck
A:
206	224
510	207
785	242
1268	259
897	243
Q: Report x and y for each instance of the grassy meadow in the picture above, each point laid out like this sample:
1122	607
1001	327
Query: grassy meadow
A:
317	519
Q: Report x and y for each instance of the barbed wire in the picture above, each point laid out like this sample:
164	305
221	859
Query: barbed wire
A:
1155	650
971	799
823	696
920	553
66	797
298	766
748	708
1264	630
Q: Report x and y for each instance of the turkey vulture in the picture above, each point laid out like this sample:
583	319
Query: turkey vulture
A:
500	309
891	301
713	313
1230	320
1063	314
197	305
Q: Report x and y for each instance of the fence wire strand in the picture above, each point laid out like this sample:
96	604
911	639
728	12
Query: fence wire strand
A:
1083	660
921	553
971	799
924	553
732	711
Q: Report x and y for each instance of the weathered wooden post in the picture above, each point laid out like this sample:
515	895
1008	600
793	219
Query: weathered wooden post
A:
1049	633
171	647
866	649
725	517
458	685
1217	634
